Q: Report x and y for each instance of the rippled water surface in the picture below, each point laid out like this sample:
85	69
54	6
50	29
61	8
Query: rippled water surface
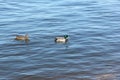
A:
93	49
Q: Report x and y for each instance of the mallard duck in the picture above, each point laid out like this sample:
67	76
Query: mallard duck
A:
21	37
61	39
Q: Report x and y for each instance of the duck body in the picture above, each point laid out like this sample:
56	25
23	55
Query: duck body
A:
21	37
61	39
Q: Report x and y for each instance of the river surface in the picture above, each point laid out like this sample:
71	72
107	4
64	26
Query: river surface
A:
91	53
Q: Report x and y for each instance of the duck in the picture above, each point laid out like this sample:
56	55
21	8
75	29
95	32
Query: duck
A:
62	39
22	37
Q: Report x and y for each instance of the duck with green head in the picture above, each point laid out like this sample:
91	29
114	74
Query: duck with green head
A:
61	39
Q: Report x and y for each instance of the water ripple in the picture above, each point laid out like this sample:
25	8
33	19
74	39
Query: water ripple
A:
91	53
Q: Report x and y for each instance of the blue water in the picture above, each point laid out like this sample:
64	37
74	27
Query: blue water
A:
93	49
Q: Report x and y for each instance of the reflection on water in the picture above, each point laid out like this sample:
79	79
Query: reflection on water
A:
106	77
91	53
32	77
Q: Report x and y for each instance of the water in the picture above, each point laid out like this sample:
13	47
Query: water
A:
93	49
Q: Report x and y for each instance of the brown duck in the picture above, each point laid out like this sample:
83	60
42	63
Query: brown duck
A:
21	37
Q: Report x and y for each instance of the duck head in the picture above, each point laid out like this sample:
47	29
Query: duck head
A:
65	36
